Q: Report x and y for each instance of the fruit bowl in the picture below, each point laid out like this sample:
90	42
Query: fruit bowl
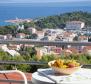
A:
64	68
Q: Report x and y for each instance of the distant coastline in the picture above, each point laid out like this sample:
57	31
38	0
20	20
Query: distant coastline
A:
36	10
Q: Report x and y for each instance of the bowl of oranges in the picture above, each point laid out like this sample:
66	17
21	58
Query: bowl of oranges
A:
62	66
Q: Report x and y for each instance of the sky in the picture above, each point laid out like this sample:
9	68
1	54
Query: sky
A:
38	1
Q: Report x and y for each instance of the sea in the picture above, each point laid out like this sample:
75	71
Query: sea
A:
10	11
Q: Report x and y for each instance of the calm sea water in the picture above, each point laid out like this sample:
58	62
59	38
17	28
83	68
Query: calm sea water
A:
11	11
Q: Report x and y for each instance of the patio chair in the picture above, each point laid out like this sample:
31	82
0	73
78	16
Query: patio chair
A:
14	71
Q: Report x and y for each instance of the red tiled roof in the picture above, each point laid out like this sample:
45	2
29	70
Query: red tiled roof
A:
14	76
66	34
73	50
83	37
87	48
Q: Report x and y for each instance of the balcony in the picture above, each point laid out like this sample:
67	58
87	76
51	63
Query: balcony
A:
15	78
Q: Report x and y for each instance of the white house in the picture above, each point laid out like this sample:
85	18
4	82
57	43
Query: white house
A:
66	36
74	25
4	48
11	52
83	38
3	37
20	35
40	34
32	30
52	38
9	36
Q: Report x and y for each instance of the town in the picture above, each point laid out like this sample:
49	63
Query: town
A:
73	32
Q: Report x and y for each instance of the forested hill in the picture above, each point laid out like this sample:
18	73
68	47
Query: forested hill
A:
59	21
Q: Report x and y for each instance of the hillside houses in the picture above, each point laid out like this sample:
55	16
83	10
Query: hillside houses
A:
74	25
71	33
7	36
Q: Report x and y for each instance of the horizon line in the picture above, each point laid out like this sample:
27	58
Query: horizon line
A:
49	2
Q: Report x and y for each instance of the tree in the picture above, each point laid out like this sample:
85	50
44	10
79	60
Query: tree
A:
33	36
29	24
33	52
23	31
56	21
75	38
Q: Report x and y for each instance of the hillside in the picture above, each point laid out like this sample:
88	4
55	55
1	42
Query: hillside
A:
59	21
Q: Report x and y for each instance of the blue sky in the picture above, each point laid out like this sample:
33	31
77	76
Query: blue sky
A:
36	1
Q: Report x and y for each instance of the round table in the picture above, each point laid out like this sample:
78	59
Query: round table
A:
82	76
